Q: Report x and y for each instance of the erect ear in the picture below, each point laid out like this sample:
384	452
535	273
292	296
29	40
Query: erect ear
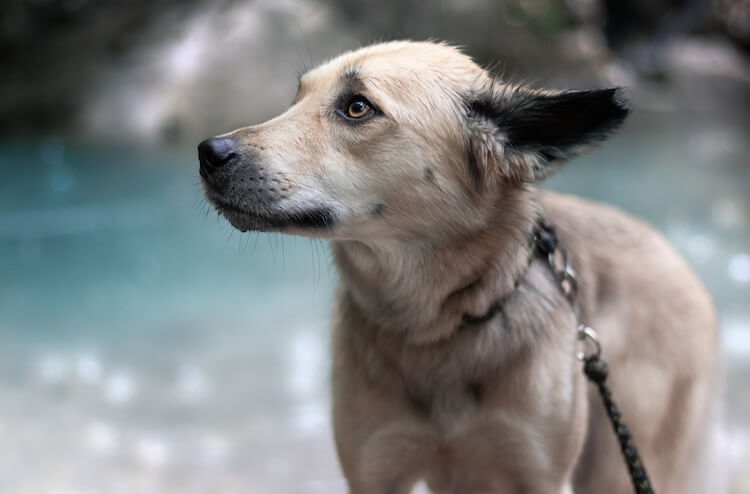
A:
527	132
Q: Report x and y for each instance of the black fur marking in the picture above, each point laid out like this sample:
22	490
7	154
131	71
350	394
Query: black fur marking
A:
553	125
475	390
246	220
352	73
313	218
419	403
474	171
378	209
429	175
352	83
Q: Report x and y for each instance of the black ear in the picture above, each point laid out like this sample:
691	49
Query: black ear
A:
539	128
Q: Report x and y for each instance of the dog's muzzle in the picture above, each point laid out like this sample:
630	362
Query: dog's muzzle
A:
249	195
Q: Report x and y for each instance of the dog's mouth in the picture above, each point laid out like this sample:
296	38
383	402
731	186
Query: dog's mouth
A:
244	220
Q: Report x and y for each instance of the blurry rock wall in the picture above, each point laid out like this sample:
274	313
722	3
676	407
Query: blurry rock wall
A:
172	70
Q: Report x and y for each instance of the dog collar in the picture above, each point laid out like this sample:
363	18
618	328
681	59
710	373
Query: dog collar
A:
542	242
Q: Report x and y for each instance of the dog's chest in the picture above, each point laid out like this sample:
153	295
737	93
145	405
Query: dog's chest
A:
471	419
478	450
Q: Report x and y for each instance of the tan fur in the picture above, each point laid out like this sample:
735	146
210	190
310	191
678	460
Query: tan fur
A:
501	406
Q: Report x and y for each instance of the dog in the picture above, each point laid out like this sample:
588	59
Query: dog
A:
454	349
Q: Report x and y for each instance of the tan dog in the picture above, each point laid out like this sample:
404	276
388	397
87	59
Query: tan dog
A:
420	169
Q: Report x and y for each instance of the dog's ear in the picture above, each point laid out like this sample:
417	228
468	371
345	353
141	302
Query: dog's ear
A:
527	132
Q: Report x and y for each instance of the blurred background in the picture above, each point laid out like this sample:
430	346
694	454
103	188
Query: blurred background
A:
145	347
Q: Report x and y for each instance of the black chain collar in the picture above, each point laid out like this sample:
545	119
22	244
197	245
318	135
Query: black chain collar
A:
538	242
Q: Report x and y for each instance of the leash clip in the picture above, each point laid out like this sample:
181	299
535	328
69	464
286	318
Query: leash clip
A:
587	334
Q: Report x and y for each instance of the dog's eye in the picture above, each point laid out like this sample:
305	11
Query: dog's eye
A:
358	108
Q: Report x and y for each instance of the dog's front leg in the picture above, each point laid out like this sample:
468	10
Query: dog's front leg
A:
546	488
395	486
382	447
388	458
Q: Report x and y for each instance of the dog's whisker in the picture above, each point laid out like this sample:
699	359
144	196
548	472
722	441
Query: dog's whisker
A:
318	247
313	260
255	243
229	238
328	260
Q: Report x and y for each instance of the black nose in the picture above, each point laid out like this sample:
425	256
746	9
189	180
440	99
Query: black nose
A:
215	152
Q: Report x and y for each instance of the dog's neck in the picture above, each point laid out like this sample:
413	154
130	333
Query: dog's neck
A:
424	289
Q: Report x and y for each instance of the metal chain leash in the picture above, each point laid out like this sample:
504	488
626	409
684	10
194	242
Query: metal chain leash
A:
594	367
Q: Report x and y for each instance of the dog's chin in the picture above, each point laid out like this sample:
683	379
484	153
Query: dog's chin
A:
245	222
314	219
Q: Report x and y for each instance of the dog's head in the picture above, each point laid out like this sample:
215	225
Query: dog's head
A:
398	139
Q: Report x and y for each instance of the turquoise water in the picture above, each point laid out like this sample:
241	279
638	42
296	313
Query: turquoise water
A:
147	347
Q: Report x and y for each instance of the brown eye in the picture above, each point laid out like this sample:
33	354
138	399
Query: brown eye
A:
358	108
